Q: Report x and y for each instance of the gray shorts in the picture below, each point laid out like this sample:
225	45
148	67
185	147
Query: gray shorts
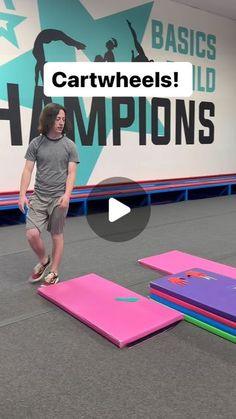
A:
45	211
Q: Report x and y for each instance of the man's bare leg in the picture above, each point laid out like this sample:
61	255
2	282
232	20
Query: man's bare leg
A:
57	251
34	238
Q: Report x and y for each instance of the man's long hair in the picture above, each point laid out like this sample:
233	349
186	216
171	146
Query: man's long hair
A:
48	116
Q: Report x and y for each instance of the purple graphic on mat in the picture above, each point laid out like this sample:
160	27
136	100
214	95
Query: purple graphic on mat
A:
216	295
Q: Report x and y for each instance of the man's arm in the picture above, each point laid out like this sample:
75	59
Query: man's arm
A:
24	184
65	199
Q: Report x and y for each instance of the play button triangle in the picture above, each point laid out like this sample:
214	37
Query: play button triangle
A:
117	210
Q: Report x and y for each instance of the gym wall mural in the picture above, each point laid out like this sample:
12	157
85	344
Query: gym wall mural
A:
136	137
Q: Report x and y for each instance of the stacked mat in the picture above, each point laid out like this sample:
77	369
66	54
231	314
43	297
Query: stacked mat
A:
206	299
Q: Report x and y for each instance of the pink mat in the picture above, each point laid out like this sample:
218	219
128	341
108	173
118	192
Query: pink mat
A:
93	300
175	261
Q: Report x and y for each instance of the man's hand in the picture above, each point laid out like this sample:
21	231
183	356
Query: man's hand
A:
64	201
22	203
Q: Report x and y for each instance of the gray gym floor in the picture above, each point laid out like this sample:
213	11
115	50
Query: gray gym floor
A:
54	367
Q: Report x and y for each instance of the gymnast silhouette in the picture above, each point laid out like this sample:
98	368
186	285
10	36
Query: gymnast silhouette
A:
45	37
109	55
141	54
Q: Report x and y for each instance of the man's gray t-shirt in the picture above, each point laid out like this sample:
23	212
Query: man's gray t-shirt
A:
52	158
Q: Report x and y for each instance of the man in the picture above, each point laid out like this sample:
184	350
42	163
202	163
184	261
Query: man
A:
56	158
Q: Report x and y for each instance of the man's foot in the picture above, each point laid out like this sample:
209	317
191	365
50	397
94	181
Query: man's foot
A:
39	271
51	279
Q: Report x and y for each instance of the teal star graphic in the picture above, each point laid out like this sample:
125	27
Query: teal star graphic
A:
9	4
7	24
93	32
81	26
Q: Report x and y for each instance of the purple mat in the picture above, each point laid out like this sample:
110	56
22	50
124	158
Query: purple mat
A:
205	289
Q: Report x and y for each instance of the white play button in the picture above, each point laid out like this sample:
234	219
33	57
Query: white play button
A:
117	210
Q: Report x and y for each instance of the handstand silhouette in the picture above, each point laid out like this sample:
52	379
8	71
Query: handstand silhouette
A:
45	37
109	55
141	54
